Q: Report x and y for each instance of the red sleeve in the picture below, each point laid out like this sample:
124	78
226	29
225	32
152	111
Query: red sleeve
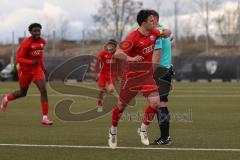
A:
21	53
99	61
128	44
161	33
157	33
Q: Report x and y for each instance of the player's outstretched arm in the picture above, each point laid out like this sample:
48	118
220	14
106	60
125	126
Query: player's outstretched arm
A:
98	64
165	33
120	54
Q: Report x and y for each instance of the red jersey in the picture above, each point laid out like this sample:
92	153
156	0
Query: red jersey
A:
137	44
105	58
28	51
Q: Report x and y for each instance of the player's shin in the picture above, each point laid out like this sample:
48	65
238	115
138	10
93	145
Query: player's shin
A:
45	120
45	109
148	117
116	115
163	121
15	95
100	101
10	97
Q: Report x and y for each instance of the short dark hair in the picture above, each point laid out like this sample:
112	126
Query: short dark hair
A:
34	25
143	16
113	42
155	13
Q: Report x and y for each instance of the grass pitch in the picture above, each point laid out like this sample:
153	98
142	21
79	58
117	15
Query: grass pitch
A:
204	116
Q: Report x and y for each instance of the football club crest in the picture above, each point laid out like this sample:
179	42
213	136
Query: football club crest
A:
211	67
152	38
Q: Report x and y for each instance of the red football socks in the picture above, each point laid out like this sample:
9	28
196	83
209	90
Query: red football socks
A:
149	115
100	102
10	97
116	115
45	108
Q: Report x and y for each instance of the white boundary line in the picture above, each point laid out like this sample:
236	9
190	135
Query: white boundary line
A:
175	96
125	148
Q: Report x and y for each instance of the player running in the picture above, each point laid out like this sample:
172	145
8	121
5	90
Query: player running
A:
163	77
137	51
103	65
31	69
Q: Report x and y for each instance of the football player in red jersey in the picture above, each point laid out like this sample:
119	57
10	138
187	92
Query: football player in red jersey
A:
103	65
31	69
137	51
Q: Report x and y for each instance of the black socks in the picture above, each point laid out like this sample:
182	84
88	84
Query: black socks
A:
163	117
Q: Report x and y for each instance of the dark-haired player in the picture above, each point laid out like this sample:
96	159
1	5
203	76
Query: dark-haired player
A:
31	69
102	67
137	51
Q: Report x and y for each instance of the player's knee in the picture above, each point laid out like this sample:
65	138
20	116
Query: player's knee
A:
121	105
163	104
102	90
155	103
110	89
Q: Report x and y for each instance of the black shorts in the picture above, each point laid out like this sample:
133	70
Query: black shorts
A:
163	78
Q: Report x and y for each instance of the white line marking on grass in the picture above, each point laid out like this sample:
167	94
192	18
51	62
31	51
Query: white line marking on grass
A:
127	148
176	96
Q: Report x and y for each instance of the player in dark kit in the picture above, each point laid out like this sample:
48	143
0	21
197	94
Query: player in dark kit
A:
102	67
137	51
163	77
31	69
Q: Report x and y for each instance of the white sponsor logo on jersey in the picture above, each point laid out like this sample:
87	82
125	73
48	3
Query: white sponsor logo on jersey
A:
152	38
149	49
37	52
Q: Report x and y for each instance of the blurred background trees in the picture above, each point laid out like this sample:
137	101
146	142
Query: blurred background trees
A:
115	16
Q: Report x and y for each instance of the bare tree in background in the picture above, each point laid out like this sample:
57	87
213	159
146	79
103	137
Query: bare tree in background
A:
63	29
115	15
228	24
56	31
188	29
203	7
50	27
60	27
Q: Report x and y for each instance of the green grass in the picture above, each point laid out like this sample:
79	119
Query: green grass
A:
211	112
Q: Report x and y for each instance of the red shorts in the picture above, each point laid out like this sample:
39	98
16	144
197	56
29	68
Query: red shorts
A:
131	87
25	78
104	79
